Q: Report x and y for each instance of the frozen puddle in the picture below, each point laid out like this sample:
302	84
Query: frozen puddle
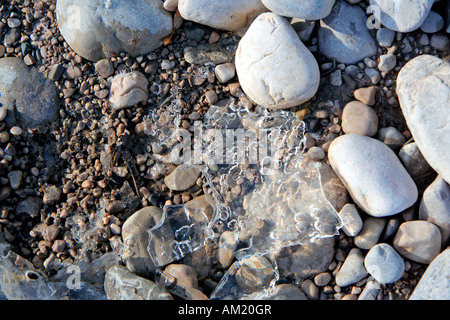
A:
264	193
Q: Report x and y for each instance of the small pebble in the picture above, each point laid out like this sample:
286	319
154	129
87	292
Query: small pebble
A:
17	131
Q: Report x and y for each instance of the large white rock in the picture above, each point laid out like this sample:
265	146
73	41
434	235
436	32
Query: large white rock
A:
303	9
231	15
423	89
97	29
402	15
274	67
373	175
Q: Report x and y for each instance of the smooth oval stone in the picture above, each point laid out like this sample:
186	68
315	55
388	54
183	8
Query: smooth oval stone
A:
28	96
373	175
433	23
418	240
97	29
402	15
384	263
351	219
352	269
303	9
359	118
370	233
274	67
182	178
435	284
343	35
435	207
231	15
423	89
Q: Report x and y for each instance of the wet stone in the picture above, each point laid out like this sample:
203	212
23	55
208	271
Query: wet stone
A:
117	286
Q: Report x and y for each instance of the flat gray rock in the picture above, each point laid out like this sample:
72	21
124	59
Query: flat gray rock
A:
374	176
303	9
423	89
29	97
97	29
274	67
402	15
435	284
343	35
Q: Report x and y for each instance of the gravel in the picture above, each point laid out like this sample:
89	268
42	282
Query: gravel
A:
69	186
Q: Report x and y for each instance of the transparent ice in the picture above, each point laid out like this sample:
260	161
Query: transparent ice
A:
280	201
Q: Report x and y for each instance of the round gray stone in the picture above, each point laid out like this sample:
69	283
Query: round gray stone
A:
433	23
384	263
385	37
